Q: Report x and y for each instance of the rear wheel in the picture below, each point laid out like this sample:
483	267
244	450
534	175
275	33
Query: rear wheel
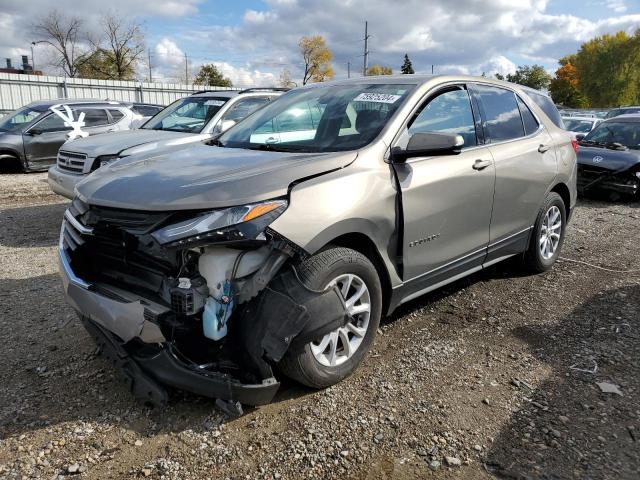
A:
328	360
548	235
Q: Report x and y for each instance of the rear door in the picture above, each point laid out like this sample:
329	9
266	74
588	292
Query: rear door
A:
447	199
96	120
525	166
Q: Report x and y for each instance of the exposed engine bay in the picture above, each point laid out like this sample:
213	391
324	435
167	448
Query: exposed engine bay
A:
178	302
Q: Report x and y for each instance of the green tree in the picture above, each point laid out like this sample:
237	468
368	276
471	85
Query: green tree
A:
407	66
100	64
379	70
609	69
534	76
565	87
317	59
209	75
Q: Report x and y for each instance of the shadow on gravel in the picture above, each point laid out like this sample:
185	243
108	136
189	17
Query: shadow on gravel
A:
33	226
567	427
10	167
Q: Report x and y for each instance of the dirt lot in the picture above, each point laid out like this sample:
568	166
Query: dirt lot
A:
496	375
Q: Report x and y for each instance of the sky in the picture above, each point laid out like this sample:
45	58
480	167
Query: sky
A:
252	41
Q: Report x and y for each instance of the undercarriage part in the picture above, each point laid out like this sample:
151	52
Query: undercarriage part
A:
146	369
143	387
286	315
233	409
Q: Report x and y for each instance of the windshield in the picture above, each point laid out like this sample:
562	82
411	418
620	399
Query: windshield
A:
321	119
19	119
189	115
580	126
624	133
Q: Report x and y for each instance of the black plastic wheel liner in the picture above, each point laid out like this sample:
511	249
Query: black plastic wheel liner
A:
286	316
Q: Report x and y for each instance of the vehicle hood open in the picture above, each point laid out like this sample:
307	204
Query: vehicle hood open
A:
615	160
203	176
116	142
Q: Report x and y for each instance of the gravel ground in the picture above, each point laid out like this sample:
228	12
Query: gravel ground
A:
494	376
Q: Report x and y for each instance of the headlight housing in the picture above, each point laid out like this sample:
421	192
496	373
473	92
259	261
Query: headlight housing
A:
228	225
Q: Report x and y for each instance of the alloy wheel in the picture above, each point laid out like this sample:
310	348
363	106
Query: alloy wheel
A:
550	232
340	345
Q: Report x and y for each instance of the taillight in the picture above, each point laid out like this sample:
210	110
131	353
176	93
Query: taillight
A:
574	144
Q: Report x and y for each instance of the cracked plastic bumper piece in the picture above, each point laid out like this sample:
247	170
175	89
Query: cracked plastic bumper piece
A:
114	317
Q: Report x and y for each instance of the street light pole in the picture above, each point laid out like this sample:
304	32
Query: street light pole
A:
33	58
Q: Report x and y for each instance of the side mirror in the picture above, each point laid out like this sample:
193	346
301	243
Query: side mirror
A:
226	125
428	144
34	131
580	136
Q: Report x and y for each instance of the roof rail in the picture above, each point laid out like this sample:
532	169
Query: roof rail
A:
210	91
265	89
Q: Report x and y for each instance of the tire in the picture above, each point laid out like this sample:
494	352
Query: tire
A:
535	260
315	369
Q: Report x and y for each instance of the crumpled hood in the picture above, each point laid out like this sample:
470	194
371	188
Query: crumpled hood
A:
203	176
615	160
115	142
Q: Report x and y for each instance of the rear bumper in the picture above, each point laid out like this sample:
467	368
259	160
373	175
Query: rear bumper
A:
119	323
63	183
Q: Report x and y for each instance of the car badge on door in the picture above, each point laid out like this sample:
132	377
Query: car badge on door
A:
597	159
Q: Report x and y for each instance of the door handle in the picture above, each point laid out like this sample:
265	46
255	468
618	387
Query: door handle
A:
481	164
543	148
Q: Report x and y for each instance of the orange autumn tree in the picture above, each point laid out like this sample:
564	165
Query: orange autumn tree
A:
565	87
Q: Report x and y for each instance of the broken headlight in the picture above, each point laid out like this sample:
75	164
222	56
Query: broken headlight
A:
222	226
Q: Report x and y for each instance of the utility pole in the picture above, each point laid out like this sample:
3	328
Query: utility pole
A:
366	49
149	56
186	69
431	69
348	69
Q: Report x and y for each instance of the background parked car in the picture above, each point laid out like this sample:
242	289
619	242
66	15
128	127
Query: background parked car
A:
623	111
145	112
32	135
609	157
191	119
580	125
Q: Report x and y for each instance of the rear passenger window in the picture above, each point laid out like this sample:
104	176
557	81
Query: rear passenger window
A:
547	106
449	112
530	122
116	115
502	115
94	117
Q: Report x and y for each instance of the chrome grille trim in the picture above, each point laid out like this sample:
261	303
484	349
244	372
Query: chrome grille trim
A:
71	162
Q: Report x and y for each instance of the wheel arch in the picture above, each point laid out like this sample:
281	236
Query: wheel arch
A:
363	244
563	190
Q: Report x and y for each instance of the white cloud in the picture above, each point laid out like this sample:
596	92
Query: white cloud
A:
617	6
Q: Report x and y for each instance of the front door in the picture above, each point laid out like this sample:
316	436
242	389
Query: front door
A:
446	200
42	140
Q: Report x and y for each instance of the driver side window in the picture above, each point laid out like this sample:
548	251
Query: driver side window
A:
51	123
448	112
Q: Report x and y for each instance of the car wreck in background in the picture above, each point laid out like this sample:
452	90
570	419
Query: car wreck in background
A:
280	244
609	157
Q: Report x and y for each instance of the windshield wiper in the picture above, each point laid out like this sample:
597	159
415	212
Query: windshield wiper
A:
615	146
271	147
215	143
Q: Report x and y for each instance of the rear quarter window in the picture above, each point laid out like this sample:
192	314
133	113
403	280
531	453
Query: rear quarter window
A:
547	106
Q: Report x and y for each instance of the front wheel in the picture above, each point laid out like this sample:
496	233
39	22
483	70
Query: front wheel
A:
548	235
328	360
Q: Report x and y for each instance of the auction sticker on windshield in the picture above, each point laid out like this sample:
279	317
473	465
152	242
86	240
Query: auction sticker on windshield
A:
214	103
377	97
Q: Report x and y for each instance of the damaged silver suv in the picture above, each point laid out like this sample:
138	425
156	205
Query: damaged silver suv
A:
277	247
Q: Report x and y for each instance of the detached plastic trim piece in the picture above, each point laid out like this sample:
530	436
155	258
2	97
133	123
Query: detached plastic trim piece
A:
151	373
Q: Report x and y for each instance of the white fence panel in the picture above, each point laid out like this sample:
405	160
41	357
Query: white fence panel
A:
17	90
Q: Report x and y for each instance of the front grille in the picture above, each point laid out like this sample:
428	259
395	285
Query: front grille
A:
71	162
134	222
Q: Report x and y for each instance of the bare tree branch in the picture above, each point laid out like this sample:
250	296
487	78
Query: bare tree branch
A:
63	34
